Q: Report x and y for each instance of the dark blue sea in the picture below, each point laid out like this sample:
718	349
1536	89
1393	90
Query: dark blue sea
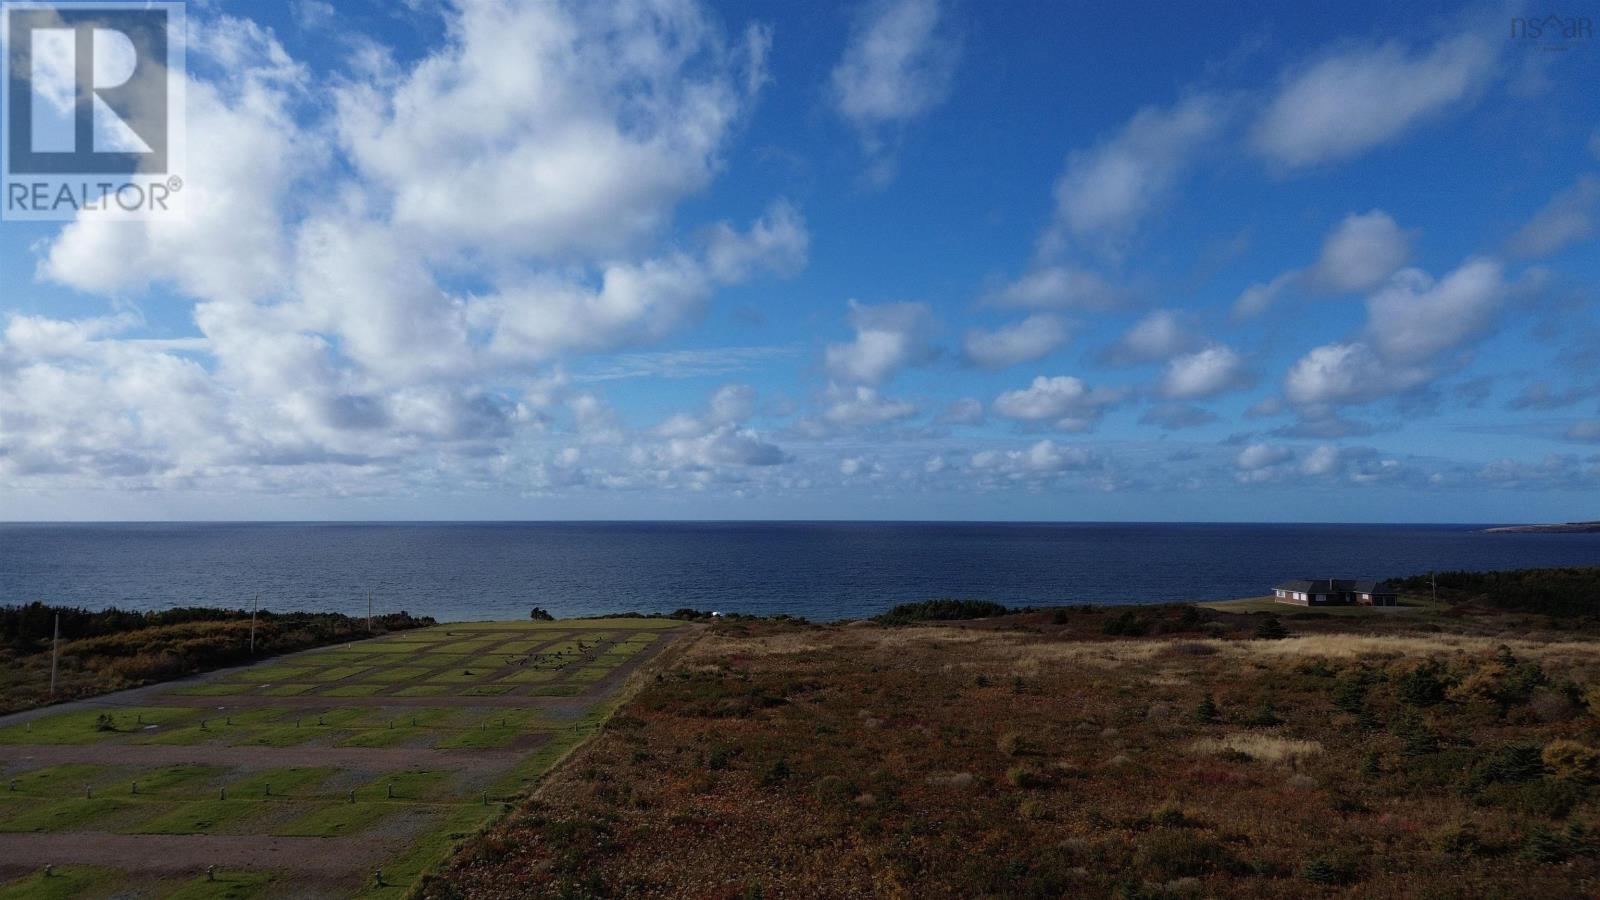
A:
822	571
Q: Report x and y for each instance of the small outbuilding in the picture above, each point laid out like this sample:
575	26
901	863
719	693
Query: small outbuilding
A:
1335	592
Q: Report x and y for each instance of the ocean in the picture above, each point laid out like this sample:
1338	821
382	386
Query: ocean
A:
820	570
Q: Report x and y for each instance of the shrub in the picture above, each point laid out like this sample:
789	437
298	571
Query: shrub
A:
833	789
943	610
1350	693
1060	616
1461	839
1166	854
1206	711
540	615
1324	871
1125	624
1025	776
1371	767
1012	743
776	773
1502	681
1572	760
1423	685
1545	846
1417	739
1265	716
1510	764
1271	629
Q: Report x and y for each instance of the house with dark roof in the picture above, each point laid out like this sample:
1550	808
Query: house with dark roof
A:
1335	592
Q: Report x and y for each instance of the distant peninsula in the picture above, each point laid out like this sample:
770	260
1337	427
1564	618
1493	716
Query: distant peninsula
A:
1562	528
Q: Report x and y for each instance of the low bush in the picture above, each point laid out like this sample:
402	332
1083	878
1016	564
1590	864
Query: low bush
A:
942	610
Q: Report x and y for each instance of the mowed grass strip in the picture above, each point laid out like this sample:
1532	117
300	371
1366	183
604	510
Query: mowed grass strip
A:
205	817
302	781
397	674
64	883
56	815
91	726
337	818
425	690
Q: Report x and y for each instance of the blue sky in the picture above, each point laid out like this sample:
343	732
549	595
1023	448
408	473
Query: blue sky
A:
914	259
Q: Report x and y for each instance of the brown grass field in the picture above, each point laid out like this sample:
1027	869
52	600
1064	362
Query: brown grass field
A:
1038	756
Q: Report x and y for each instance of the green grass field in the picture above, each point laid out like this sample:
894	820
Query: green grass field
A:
239	767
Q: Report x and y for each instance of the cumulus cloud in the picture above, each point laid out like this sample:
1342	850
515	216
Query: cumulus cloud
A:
896	68
889	337
1033	338
568	155
1360	254
1104	193
1062	402
1352	100
1258	298
865	407
1567	219
543	316
1410	321
1205	373
1344	373
1043	458
1057	287
1415	317
1158	336
566	129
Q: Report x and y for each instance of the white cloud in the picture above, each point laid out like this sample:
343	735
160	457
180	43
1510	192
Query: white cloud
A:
1158	336
1205	373
889	337
1324	460
540	317
1258	298
1104	193
865	407
1064	402
1353	100
1567	219
1414	318
896	68
1360	254
1043	458
1033	338
1057	287
1336	374
564	129
231	242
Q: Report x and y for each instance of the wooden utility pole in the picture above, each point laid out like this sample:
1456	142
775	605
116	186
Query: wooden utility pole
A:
55	653
253	607
369	612
1434	578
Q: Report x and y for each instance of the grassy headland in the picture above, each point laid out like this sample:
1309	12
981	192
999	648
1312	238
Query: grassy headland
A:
1155	751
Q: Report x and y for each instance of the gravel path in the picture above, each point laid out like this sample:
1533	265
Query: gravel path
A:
375	759
179	853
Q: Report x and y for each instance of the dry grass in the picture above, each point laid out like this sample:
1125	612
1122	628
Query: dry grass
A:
1259	747
1041	757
